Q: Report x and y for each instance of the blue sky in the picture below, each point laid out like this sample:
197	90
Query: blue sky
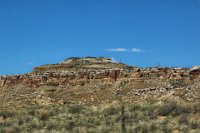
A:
137	32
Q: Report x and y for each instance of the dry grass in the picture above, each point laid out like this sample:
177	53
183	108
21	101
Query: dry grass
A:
139	118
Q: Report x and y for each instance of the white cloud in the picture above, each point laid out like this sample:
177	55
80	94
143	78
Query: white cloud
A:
137	50
30	63
117	50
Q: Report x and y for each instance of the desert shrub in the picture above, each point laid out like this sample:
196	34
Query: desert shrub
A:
177	82
181	109
193	124
51	125
184	128
152	127
166	129
138	115
6	114
20	121
90	122
70	125
111	111
27	118
183	119
31	112
134	107
23	119
33	125
196	108
141	128
167	108
43	115
75	109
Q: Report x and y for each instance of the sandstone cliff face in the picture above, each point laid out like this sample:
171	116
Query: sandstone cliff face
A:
95	80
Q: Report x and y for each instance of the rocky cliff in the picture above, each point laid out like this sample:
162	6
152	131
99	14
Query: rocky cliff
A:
92	80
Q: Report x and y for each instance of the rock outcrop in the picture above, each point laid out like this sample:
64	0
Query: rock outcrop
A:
95	80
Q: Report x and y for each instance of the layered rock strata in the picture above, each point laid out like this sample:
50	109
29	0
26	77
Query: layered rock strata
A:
96	80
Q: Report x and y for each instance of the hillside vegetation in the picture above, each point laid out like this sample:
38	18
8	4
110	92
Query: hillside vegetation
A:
95	95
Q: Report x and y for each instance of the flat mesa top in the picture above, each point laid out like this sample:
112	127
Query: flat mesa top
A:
89	59
79	63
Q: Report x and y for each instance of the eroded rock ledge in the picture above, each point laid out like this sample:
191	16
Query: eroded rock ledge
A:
98	79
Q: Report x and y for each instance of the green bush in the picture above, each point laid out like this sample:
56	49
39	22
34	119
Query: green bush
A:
167	108
51	125
70	125
111	111
181	109
75	109
194	124
6	114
